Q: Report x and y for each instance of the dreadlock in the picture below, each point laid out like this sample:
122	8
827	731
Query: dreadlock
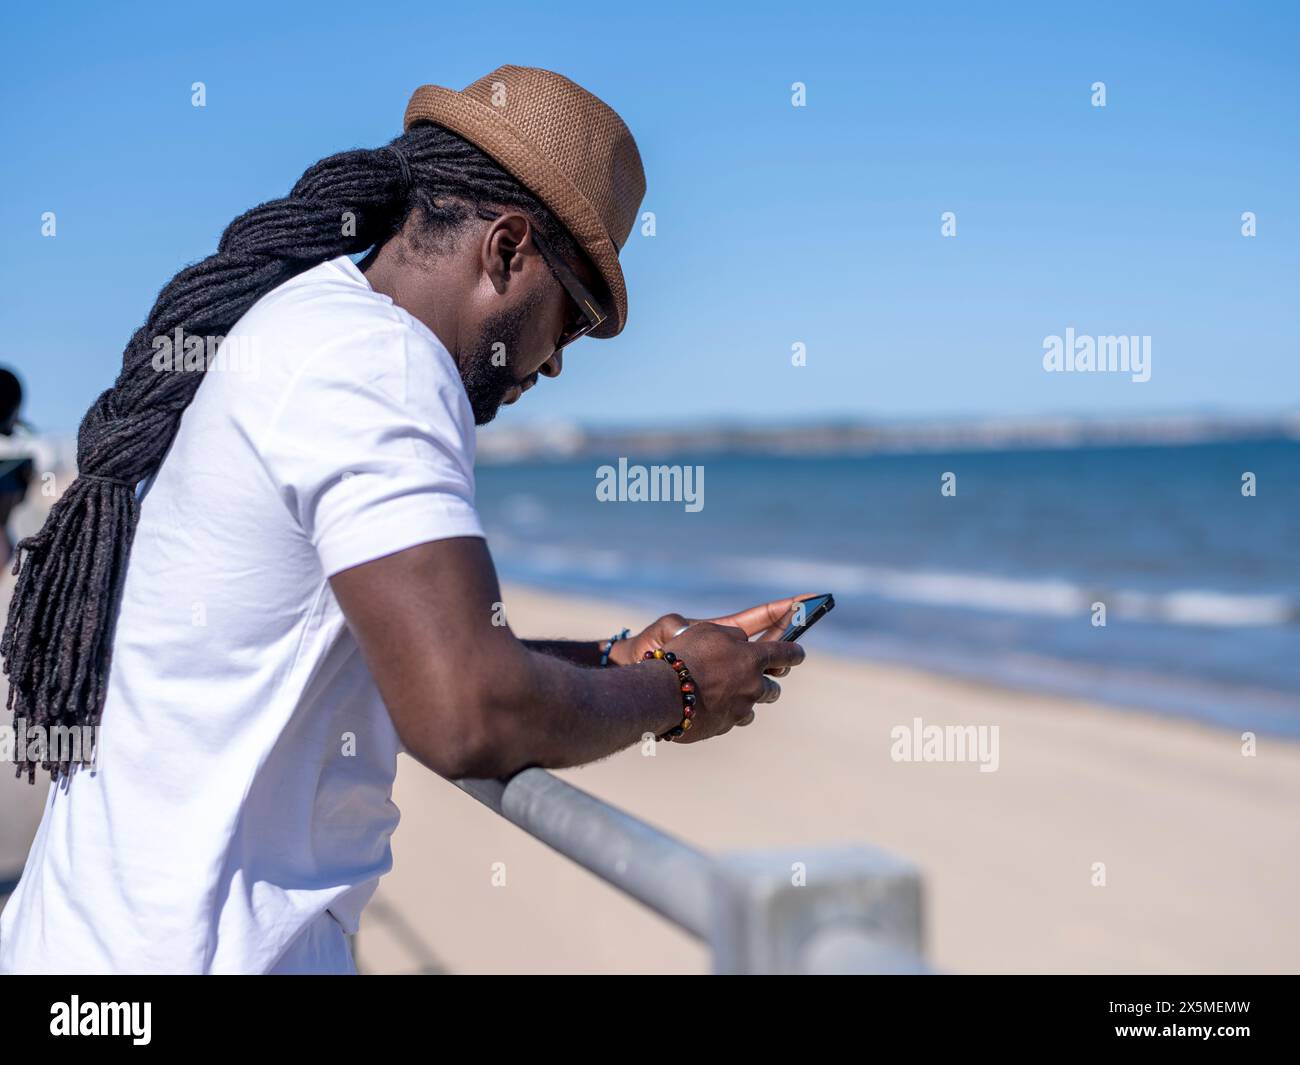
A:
57	639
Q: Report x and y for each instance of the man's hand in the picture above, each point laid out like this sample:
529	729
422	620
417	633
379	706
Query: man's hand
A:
729	671
729	657
766	622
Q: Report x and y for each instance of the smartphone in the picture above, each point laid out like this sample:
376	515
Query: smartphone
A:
814	609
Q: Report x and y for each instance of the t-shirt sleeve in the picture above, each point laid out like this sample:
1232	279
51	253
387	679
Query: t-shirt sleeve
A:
372	448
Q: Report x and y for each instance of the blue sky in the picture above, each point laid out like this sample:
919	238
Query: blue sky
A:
775	224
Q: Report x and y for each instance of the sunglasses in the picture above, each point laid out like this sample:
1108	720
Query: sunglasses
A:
589	312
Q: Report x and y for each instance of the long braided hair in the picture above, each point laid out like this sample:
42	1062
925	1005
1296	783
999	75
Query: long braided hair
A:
58	635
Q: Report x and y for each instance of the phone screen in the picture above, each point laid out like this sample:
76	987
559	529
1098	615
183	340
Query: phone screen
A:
814	609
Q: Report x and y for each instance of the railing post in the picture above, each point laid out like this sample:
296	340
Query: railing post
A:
817	910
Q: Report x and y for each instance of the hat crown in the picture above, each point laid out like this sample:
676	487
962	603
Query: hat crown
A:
578	132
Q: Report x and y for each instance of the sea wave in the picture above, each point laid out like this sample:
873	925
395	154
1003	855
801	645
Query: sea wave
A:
1030	596
1027	596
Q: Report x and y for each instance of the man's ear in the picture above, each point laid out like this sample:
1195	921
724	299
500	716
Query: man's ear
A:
499	256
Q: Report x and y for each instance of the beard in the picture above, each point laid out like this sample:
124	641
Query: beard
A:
486	383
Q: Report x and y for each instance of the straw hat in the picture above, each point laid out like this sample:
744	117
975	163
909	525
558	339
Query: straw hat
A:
567	147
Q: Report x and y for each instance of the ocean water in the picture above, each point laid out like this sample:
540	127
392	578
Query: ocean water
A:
1201	584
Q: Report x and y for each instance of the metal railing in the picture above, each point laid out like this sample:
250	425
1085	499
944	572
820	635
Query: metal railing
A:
851	909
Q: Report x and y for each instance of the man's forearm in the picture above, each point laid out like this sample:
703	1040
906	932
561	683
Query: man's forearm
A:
578	652
467	698
554	714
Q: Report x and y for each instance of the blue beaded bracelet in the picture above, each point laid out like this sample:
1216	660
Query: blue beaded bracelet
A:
609	647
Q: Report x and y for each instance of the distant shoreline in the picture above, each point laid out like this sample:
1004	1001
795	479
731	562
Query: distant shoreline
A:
570	440
561	439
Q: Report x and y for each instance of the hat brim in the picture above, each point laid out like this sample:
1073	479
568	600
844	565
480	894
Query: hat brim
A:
488	130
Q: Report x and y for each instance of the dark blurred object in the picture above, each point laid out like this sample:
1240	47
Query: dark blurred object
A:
16	470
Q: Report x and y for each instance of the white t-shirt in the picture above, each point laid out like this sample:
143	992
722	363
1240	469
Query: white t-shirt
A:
239	814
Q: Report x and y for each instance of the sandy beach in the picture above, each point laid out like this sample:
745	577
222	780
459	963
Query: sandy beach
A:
1201	845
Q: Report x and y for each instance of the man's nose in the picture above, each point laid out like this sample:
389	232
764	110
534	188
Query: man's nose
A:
552	366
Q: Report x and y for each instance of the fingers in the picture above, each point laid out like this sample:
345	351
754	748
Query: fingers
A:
777	629
776	654
669	626
771	692
731	632
762	617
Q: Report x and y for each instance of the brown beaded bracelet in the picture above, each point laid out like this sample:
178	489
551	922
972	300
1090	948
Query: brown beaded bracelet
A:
687	686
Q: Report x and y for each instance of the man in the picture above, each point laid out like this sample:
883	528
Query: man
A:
309	591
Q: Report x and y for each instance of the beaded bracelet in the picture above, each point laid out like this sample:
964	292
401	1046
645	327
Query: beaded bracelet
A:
688	692
609	647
